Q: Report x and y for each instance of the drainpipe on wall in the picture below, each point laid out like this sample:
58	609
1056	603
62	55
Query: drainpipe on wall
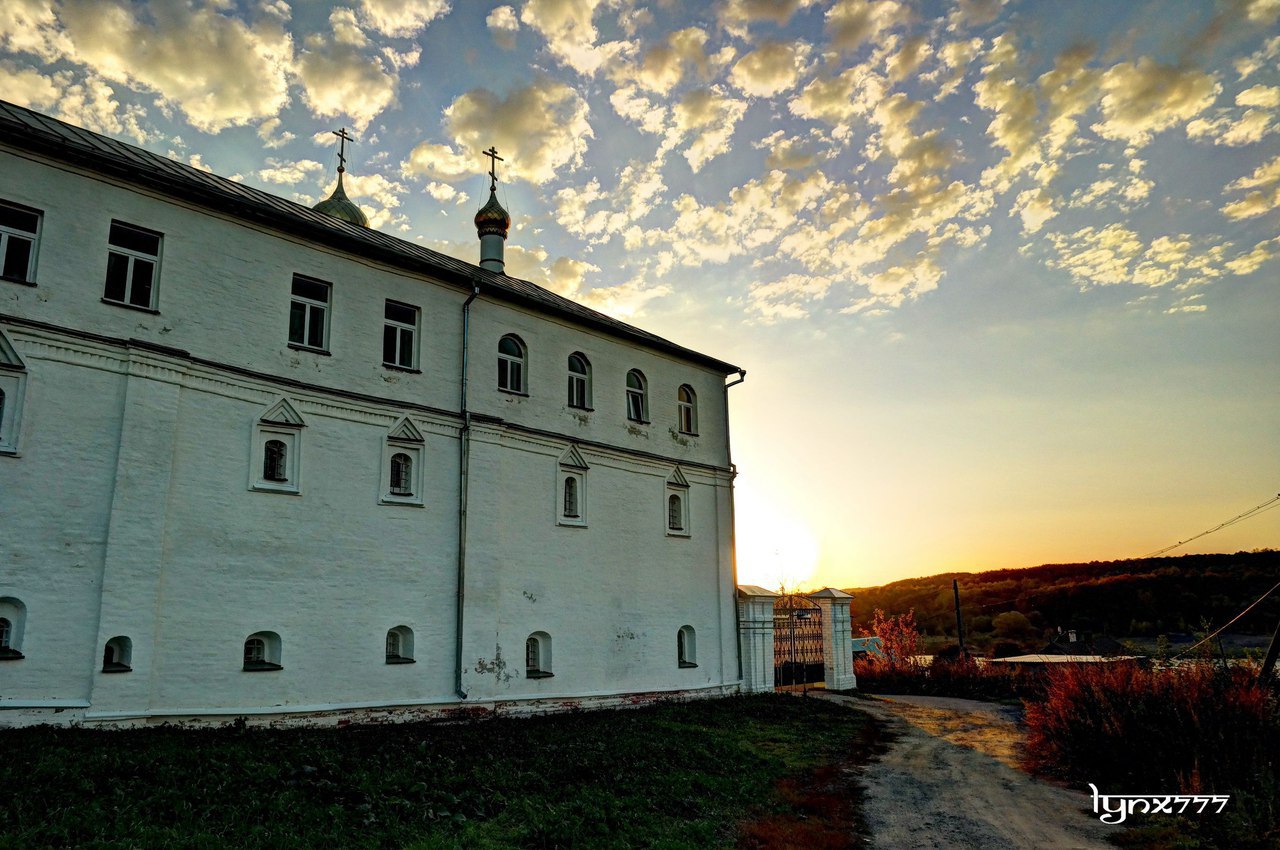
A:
464	456
733	542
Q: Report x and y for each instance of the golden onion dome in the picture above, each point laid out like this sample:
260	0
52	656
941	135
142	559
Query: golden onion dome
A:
493	220
340	206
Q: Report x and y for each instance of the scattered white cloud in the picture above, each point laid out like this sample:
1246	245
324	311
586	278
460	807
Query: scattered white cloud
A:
1144	97
441	163
770	69
401	18
504	25
544	127
218	70
569	29
852	22
290	173
272	136
709	116
342	75
1265	197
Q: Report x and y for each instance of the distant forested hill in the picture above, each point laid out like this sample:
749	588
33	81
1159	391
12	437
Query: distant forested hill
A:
1133	598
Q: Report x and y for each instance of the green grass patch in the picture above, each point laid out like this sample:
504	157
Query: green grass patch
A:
676	775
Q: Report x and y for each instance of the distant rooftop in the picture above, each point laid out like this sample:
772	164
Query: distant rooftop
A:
28	130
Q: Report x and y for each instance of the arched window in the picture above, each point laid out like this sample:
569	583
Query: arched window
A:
511	364
579	381
117	655
687	408
537	656
262	651
571	498
675	512
1	413
637	397
400	645
686	647
401	474
13	615
274	461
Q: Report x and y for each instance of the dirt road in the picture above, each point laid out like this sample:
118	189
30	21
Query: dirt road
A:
949	780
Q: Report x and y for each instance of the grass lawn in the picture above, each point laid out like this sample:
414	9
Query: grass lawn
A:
751	772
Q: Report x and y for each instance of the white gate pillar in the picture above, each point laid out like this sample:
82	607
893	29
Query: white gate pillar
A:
837	638
755	637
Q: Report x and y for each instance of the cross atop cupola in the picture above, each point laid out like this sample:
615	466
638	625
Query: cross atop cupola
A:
345	137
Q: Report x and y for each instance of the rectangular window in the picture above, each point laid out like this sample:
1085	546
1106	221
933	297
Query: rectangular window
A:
132	263
398	335
309	313
19	233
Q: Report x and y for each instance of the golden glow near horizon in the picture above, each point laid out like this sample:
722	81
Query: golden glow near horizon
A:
775	549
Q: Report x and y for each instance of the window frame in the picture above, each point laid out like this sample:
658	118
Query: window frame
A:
281	422
540	643
400	328
132	256
686	647
639	411
10	232
687	411
14	612
520	384
270	660
309	307
579	382
404	646
404	438
122	662
677	487
572	467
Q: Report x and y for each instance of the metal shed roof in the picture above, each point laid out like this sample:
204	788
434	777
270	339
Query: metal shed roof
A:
27	130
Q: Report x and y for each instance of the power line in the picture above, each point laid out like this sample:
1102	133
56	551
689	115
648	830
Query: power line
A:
1231	622
1249	514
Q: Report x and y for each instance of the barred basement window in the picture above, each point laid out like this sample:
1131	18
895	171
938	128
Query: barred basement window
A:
262	652
401	475
537	656
132	265
273	462
571	498
13	615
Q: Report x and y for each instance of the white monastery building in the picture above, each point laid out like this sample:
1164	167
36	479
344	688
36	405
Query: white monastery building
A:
258	459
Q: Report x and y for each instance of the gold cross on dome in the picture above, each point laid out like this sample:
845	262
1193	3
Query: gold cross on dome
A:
494	159
342	147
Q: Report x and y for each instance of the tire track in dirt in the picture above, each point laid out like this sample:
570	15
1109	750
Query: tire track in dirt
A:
948	780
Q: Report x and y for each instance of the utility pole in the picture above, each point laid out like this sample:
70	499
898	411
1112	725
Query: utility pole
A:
955	588
1270	661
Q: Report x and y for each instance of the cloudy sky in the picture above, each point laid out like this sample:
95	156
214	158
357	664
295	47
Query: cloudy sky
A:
1003	274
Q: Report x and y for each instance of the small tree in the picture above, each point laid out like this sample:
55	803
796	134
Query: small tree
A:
899	637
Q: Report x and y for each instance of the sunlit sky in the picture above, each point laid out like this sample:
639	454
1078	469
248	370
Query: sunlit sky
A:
1003	275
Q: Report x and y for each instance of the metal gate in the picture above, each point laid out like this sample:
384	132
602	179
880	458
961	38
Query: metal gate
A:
797	642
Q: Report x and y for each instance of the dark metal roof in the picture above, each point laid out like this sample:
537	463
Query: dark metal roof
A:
40	134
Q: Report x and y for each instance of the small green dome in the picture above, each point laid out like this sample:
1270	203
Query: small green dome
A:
340	206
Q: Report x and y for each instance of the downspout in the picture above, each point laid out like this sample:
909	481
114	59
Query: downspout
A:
464	456
733	542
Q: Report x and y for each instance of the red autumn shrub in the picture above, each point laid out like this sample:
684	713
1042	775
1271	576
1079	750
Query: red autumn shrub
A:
1188	729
